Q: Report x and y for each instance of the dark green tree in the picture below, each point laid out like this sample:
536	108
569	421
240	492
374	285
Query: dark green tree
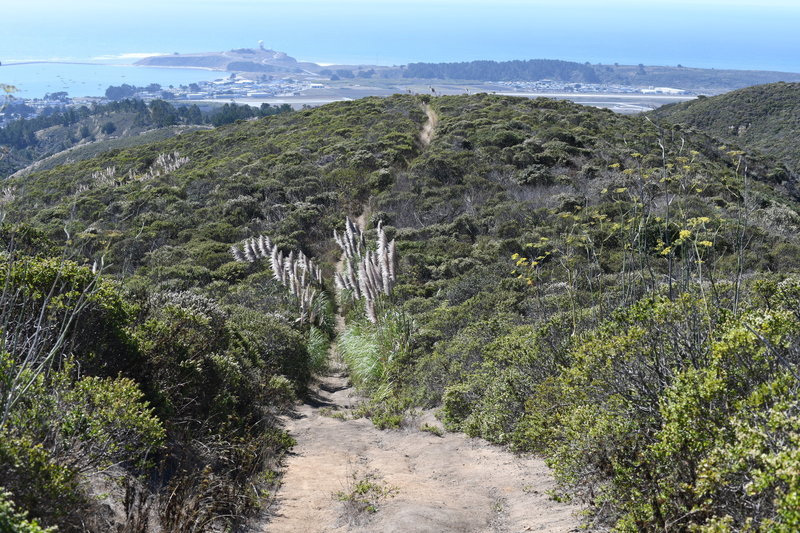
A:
162	114
108	128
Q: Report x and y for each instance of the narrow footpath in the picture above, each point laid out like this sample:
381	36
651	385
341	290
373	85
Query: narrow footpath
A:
412	480
428	129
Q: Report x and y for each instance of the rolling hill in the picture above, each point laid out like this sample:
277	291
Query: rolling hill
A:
763	118
613	292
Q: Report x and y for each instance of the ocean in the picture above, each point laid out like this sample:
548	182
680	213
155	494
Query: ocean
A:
34	80
739	34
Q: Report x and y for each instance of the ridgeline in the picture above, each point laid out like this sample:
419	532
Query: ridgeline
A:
761	119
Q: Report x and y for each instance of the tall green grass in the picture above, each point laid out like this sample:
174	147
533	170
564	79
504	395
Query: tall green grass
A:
319	338
318	347
371	351
358	345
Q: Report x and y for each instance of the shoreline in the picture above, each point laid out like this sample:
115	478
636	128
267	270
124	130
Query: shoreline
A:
83	79
99	64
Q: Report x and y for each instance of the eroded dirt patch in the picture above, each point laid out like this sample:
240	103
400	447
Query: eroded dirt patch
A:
441	484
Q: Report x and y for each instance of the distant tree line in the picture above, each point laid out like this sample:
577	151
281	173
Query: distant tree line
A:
158	114
530	70
231	113
343	73
123	91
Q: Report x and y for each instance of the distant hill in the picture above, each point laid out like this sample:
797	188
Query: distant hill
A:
33	139
700	80
531	70
87	150
239	60
765	118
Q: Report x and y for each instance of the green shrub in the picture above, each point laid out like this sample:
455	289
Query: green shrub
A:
109	422
62	429
14	521
491	400
57	303
731	425
231	272
667	424
41	486
270	345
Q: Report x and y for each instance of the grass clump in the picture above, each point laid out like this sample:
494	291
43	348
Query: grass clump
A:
384	413
372	350
362	496
358	345
434	430
332	413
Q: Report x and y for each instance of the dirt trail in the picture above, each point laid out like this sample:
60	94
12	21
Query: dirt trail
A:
444	484
447	483
426	135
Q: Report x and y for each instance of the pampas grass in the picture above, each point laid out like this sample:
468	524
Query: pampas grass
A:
366	274
299	274
7	195
105	177
369	346
163	165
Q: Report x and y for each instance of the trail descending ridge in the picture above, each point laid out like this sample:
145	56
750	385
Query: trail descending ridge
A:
444	484
441	484
426	135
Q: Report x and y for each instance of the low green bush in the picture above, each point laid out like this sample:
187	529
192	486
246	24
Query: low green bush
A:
15	521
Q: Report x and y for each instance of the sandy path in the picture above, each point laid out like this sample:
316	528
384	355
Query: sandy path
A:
426	135
444	484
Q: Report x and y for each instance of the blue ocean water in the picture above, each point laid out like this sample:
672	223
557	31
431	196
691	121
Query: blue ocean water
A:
34	80
746	34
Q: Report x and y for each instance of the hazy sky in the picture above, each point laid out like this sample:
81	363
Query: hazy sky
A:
707	33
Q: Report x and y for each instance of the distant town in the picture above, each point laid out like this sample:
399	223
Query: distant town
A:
544	86
300	93
217	92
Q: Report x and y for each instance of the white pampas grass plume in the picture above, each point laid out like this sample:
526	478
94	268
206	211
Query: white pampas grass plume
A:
338	281
297	272
369	308
248	253
237	254
392	255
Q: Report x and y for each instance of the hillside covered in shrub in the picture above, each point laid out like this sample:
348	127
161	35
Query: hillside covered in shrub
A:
65	135
617	294
763	118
